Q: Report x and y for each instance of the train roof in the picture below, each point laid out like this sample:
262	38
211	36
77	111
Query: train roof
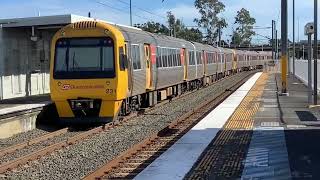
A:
138	36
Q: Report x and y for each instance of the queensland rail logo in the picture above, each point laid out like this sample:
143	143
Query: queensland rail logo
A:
65	87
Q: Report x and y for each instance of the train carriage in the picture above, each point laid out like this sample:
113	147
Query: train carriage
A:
99	71
241	60
212	62
221	62
206	63
199	59
229	60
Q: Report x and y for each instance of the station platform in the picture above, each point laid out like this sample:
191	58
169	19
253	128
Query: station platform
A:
19	114
9	106
254	134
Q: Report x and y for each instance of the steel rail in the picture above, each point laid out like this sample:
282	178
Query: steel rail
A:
128	164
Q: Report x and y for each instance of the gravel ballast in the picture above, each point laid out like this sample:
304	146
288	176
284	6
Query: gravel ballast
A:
74	162
29	149
20	138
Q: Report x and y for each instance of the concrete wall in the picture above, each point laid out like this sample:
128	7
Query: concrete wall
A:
1	61
302	71
24	63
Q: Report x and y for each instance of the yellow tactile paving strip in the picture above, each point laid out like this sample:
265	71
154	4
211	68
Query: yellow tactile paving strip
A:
225	155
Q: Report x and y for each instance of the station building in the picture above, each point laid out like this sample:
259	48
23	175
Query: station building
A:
25	53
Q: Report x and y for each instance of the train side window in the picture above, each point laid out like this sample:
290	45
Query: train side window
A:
147	51
169	58
177	54
199	58
159	62
178	57
174	57
123	59
164	57
191	58
212	58
135	54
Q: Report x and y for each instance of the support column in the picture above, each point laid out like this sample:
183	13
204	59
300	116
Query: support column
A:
272	42
294	43
315	53
284	46
309	69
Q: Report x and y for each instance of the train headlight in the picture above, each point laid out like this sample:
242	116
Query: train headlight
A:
82	104
79	105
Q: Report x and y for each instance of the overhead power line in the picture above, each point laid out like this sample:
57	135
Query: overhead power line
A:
120	10
263	36
141	9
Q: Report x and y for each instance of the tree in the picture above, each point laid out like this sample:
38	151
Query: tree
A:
175	28
171	23
192	34
209	11
244	32
153	28
179	30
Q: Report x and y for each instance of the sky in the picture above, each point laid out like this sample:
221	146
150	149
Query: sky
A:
117	11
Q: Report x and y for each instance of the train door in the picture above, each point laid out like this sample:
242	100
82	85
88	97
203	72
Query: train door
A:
204	61
234	60
147	59
127	53
184	62
225	59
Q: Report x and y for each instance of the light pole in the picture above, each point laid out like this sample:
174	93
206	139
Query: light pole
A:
272	41
315	49
284	46
294	42
277	45
309	30
130	13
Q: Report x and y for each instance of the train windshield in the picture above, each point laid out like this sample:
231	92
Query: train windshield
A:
84	58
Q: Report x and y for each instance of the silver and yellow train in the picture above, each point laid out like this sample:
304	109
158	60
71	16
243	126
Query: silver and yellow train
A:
99	70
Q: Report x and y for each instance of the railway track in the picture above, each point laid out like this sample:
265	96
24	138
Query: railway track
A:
65	136
69	139
137	158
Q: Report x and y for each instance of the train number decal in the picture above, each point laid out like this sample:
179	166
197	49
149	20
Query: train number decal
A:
110	91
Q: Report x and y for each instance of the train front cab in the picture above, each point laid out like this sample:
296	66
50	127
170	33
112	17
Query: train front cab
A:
88	72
